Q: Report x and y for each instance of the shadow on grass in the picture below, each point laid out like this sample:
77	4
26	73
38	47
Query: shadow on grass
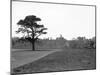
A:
61	61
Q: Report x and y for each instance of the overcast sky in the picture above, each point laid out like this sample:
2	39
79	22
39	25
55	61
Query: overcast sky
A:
69	20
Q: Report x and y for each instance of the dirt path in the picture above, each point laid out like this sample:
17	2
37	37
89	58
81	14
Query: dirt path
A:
22	57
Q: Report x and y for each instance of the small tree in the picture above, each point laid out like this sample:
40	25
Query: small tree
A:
30	27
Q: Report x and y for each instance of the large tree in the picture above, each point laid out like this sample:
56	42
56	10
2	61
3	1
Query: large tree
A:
31	28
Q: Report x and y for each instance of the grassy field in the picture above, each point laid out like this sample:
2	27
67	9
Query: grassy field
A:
22	56
65	60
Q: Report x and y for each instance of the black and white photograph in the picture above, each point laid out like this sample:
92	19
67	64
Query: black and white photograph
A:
52	37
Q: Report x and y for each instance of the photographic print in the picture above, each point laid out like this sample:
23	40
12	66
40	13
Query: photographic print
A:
52	37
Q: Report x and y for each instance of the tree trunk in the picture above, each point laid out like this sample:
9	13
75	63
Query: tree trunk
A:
33	45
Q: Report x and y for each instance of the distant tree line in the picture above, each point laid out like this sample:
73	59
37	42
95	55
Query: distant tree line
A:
59	42
82	42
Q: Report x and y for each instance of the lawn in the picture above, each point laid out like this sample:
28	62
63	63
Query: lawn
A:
21	56
65	60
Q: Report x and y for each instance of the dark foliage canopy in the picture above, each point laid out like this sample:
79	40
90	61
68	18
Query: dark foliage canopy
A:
30	26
